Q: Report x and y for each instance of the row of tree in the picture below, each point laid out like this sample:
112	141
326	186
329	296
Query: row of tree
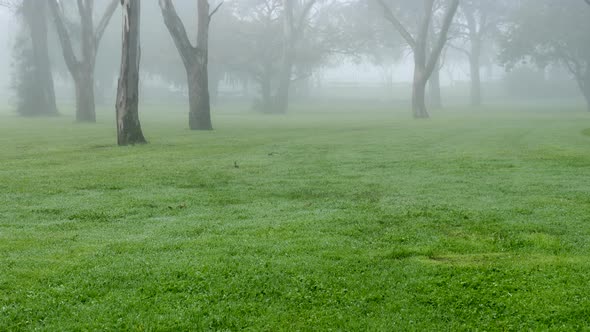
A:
276	42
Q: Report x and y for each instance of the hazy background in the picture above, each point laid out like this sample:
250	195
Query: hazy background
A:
337	78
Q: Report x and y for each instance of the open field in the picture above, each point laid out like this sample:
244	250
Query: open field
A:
357	221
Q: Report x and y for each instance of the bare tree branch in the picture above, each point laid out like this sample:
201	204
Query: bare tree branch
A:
177	31
390	16
215	10
68	51
104	21
442	38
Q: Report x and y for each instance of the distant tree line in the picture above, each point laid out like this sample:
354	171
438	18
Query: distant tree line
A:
274	43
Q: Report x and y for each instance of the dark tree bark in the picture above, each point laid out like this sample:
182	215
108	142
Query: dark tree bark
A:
195	60
82	70
424	63
128	126
42	94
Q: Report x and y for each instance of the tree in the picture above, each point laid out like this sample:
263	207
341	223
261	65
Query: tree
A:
33	76
292	33
195	60
564	42
273	52
82	68
424	61
128	126
478	21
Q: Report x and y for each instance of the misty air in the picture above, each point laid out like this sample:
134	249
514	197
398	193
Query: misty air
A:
270	165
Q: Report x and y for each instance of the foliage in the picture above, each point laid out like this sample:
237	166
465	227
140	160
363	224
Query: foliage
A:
548	32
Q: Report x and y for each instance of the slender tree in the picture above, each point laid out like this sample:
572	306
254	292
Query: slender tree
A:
82	68
128	126
195	60
424	63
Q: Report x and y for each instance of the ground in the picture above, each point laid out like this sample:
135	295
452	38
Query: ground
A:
363	220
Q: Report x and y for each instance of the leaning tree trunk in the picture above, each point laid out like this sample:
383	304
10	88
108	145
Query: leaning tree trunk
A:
128	126
34	13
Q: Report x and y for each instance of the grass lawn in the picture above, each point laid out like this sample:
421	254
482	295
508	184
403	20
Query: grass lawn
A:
352	221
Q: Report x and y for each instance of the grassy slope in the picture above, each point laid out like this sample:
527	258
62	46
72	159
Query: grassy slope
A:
353	222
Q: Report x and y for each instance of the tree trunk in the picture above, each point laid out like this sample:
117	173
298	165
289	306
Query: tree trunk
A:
195	60
475	71
282	96
34	13
423	65
434	88
420	80
82	70
419	99
128	125
85	107
198	95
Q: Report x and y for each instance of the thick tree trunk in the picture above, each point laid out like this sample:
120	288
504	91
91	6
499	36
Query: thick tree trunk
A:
198	95
475	71
434	88
421	77
419	99
128	125
85	107
195	60
35	13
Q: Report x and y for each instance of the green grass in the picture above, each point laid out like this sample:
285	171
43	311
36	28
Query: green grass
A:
352	221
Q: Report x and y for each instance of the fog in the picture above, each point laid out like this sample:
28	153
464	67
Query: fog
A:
342	50
294	165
